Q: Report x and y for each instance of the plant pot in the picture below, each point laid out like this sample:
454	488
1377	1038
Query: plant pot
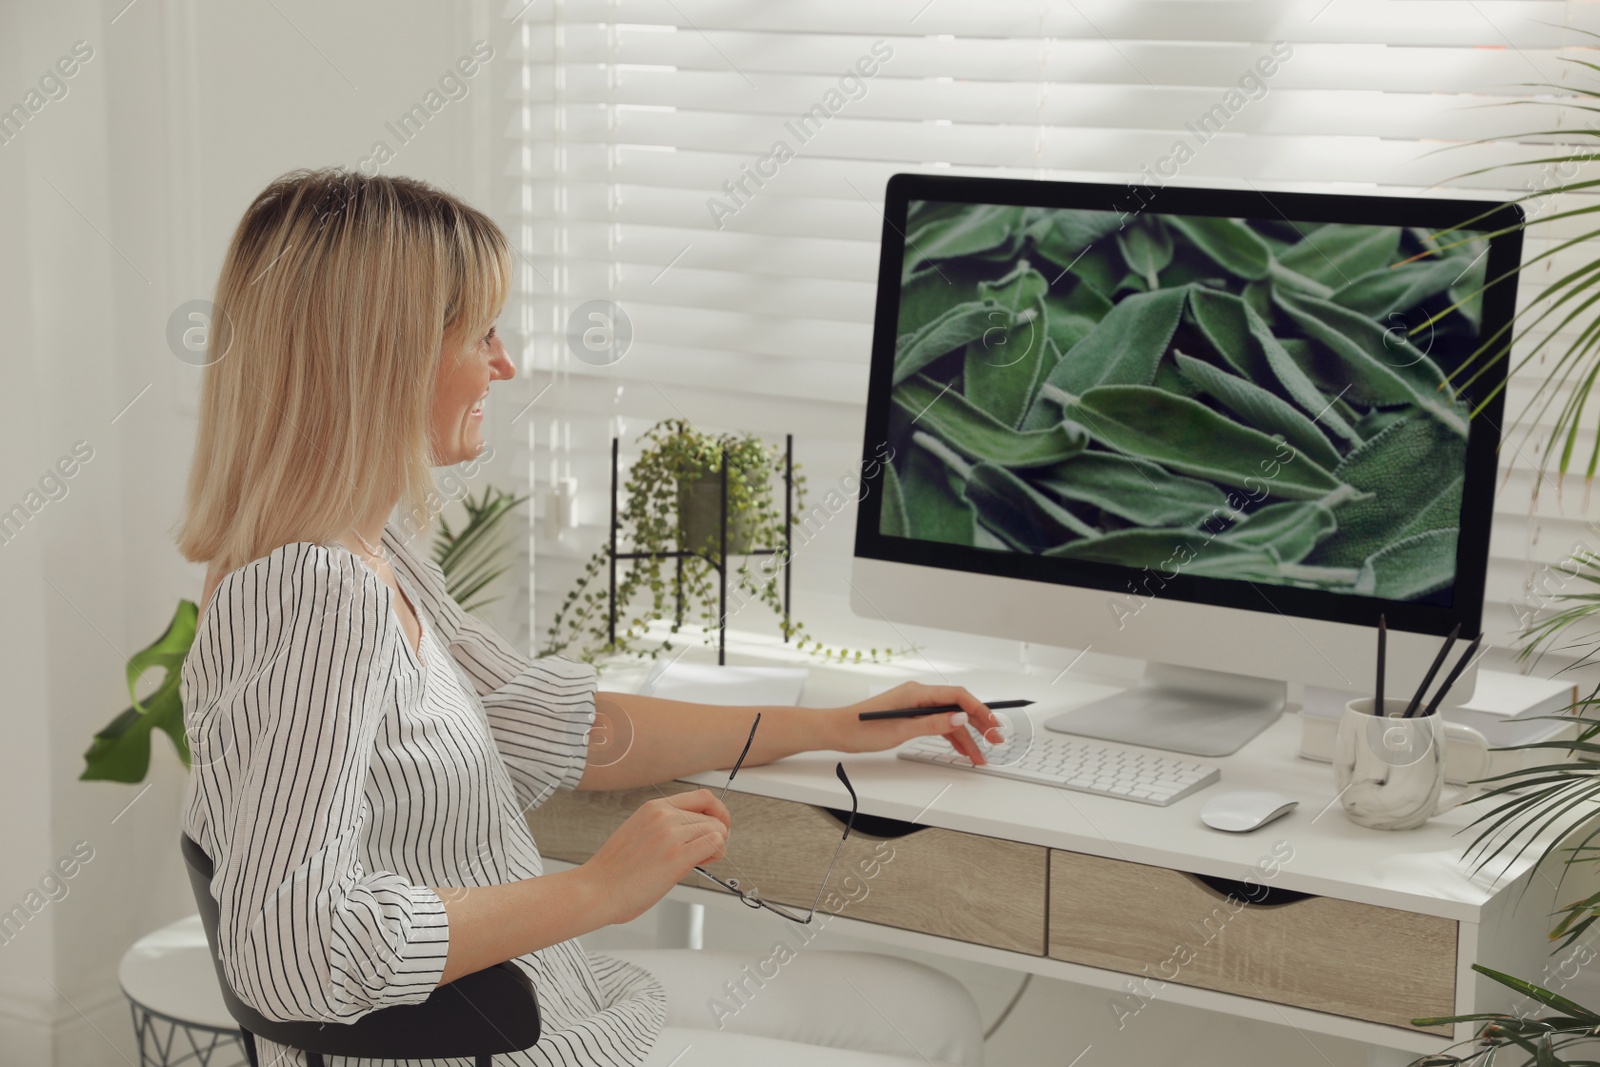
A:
700	515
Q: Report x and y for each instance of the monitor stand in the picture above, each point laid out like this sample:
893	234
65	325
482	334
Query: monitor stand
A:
1181	709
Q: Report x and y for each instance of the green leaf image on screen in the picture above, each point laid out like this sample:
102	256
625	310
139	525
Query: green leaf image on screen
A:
1240	396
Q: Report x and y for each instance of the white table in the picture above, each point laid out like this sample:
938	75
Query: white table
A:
1502	912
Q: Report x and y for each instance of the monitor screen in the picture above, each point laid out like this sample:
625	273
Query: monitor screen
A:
1211	393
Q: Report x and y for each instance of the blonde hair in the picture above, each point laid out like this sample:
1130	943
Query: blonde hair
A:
337	296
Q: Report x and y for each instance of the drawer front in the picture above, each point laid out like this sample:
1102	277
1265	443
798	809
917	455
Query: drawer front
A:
934	881
1355	960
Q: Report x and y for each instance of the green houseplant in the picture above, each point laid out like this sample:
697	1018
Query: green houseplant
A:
672	503
1523	804
470	558
1520	805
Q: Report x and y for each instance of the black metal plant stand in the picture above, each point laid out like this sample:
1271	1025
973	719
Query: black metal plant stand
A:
720	561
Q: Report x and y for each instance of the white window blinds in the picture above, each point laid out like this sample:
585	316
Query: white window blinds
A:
715	170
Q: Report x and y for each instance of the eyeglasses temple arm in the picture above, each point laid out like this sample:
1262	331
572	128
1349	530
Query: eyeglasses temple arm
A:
838	769
742	754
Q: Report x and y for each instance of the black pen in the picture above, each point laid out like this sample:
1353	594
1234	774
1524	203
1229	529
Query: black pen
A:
912	713
1427	679
1450	679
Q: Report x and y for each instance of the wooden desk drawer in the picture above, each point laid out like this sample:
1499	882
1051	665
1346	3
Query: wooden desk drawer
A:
934	881
1354	960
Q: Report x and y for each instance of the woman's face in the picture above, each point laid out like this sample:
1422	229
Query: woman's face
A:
455	429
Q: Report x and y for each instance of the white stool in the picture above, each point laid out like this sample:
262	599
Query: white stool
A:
171	985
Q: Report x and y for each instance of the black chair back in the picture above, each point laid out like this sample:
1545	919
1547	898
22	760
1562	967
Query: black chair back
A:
491	1011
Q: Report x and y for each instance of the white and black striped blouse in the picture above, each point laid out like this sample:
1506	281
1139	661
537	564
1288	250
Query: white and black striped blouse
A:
337	775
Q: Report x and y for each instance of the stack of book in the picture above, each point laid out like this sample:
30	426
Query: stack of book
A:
1507	708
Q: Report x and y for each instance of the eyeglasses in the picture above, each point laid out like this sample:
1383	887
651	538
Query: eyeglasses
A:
749	897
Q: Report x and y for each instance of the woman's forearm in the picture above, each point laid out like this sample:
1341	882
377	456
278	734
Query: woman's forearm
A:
493	923
640	740
636	741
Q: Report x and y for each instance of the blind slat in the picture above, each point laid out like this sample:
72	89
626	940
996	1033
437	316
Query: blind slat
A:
1462	23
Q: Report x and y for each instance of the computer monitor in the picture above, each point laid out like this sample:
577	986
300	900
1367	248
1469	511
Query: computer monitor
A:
1219	430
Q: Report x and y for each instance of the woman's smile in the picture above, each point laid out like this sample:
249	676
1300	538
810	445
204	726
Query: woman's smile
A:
461	392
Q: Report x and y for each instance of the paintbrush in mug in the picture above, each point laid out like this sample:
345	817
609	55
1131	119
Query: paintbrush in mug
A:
1427	679
1377	687
1450	679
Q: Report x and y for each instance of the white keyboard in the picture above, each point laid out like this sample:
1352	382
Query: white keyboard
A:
1071	763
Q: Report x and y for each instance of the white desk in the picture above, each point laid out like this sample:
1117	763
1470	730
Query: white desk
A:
1417	872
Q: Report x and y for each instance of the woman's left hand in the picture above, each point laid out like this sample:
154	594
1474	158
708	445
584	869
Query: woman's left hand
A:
878	734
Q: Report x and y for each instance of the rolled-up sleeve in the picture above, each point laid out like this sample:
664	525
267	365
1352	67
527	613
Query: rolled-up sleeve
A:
304	657
540	711
540	719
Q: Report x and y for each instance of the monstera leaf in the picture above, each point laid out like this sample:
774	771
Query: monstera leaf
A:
121	751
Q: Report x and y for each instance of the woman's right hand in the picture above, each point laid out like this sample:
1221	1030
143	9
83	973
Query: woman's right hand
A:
657	845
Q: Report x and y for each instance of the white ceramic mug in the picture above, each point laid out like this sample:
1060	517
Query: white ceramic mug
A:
1390	771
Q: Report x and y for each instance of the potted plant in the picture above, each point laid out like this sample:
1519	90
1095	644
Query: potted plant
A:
669	555
470	558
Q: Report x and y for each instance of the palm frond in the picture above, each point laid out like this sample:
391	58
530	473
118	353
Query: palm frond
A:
471	556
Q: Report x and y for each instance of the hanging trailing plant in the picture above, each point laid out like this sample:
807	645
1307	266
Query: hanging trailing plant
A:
671	505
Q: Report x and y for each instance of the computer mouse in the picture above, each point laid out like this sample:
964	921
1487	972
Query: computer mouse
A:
1245	809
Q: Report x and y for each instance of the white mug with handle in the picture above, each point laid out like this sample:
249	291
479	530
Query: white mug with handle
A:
1390	770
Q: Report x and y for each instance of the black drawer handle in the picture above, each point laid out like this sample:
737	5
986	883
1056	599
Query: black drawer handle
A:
1252	893
875	825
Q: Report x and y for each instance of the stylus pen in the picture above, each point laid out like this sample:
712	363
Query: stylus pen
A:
1427	679
1377	689
912	713
1450	679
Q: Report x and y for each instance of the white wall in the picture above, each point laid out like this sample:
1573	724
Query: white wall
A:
66	588
26	836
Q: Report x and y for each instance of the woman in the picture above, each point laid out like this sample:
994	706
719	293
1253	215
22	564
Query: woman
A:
363	749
